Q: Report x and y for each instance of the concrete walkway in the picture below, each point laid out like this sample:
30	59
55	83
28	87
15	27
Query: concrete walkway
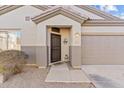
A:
105	76
61	73
35	78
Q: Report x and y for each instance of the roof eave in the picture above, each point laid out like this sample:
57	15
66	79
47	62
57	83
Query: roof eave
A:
58	11
41	7
98	12
8	8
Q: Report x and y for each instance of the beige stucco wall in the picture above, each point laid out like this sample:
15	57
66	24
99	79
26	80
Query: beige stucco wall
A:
103	45
107	49
34	37
60	20
16	20
65	34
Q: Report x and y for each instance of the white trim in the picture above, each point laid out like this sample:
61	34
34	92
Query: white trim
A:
10	29
56	11
102	33
103	23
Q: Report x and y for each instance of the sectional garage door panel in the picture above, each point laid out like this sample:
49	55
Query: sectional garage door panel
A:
103	50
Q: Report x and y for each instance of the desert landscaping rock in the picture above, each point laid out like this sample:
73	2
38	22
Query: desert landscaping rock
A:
2	78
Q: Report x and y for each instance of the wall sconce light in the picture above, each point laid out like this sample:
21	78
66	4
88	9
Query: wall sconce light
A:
77	34
66	57
65	41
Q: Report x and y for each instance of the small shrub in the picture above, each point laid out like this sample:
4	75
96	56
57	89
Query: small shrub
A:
12	61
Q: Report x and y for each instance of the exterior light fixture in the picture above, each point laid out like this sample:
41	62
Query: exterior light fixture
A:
66	57
77	35
65	41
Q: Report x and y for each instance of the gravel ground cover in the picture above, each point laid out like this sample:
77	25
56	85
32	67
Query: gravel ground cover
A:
32	77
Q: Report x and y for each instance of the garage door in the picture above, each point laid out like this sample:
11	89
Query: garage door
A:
99	50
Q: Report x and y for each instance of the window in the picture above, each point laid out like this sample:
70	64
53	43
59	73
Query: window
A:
54	29
10	40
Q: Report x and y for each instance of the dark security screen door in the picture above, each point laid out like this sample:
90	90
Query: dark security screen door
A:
55	48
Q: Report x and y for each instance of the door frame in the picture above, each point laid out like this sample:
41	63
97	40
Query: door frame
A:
48	39
51	48
49	45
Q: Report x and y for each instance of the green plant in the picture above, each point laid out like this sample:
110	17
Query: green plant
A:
2	69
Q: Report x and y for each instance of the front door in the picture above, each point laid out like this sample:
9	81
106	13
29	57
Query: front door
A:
55	48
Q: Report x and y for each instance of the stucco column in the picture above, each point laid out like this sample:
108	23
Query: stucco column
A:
76	48
41	56
41	50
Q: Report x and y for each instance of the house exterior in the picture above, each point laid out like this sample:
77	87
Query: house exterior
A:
78	34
